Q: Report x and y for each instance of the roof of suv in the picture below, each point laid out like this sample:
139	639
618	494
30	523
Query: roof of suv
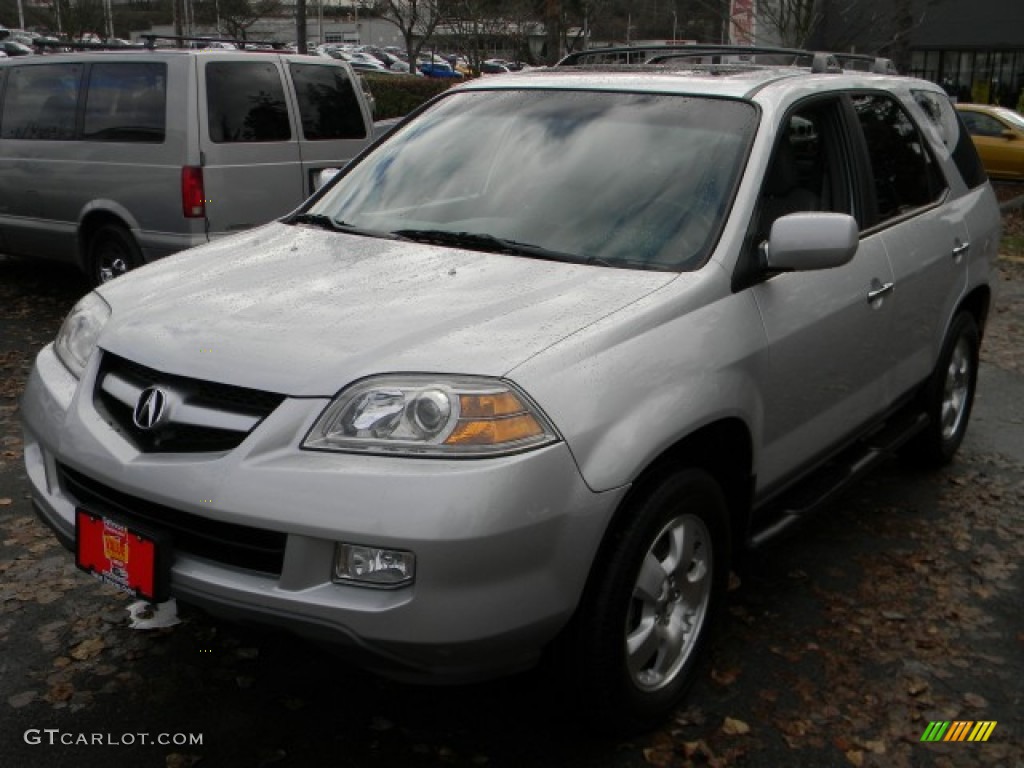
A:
716	80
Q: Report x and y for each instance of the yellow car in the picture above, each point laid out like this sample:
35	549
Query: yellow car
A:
998	133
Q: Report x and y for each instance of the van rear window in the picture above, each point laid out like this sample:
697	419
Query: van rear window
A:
127	102
40	102
245	102
327	103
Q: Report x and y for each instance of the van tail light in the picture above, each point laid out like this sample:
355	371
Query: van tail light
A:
193	196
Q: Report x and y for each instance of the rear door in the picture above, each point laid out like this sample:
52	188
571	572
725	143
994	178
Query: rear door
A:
334	118
924	232
251	165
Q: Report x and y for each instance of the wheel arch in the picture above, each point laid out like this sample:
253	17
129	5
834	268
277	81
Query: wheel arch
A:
95	215
723	449
977	303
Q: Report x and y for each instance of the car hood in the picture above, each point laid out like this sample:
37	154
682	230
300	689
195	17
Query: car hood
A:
302	311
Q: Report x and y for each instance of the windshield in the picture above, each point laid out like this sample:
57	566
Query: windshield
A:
619	179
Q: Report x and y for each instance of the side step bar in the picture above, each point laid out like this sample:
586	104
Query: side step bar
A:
819	488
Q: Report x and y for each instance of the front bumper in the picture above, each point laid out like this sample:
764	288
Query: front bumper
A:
503	545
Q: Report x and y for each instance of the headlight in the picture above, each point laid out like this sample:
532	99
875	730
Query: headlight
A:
77	336
419	415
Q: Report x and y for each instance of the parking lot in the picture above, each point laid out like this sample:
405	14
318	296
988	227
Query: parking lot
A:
899	606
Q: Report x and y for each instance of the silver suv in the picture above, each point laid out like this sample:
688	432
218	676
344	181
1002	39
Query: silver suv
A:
535	372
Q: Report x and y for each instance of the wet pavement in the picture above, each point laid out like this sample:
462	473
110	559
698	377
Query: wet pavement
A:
900	606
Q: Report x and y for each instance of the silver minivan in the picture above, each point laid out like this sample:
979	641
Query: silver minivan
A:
115	159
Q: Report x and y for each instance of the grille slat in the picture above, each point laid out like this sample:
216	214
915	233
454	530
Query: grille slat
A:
172	437
242	546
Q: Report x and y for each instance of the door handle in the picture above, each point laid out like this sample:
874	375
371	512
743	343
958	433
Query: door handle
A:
959	250
878	290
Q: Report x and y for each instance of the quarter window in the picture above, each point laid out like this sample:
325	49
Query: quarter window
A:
245	102
40	102
328	104
906	175
127	101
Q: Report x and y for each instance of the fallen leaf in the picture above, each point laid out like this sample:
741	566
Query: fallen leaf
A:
974	700
22	699
725	676
855	756
88	648
916	687
734	727
60	691
659	757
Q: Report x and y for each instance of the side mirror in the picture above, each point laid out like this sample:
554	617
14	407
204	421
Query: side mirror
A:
1008	134
808	241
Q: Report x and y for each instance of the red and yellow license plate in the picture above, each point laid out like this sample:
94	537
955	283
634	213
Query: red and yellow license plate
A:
120	556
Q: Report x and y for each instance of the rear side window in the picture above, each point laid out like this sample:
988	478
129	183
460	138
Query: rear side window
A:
982	125
245	102
126	101
905	173
328	104
40	102
947	119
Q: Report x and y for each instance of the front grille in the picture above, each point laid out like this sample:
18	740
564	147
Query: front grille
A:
256	549
228	413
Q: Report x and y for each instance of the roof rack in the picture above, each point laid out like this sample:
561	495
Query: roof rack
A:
817	61
150	40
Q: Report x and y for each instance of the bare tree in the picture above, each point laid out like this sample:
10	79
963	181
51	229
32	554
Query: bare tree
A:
474	24
415	19
791	22
237	17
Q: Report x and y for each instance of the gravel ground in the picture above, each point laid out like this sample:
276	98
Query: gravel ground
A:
900	607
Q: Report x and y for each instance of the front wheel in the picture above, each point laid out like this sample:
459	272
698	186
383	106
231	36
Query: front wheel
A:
112	252
949	395
647	615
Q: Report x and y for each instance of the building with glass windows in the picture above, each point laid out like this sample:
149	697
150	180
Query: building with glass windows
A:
973	48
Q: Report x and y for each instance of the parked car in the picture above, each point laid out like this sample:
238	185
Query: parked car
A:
174	148
998	134
439	69
531	375
14	48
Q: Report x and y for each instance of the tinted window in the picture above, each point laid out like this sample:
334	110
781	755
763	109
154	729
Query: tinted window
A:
328	103
939	109
982	125
808	171
126	101
905	173
245	102
40	102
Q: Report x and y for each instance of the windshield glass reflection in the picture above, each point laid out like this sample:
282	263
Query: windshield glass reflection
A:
620	179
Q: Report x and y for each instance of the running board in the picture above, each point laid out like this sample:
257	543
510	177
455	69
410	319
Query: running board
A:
819	488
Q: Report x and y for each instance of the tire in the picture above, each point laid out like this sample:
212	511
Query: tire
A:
112	252
655	594
949	396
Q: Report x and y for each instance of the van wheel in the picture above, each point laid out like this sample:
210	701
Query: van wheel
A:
644	625
112	252
948	396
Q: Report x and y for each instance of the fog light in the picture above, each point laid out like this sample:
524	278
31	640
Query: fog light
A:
373	567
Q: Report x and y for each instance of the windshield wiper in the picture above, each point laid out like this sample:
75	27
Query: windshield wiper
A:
326	222
483	242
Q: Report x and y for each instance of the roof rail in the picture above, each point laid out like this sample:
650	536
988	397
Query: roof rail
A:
79	45
818	61
150	40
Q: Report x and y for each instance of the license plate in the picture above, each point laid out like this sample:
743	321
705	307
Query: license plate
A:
122	556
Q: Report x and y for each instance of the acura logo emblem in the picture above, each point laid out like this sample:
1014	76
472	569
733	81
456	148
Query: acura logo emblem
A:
150	409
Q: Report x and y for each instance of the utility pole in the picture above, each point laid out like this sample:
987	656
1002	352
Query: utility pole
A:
300	26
